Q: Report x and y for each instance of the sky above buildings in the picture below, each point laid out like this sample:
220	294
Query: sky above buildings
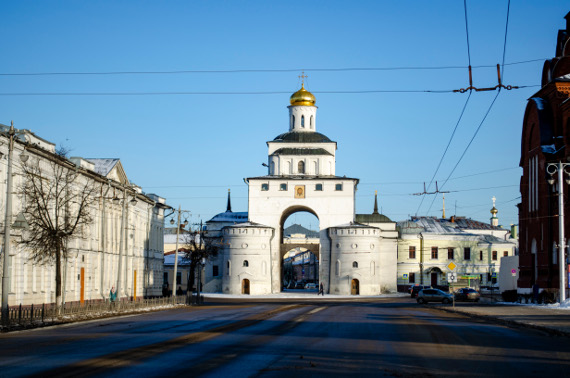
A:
111	86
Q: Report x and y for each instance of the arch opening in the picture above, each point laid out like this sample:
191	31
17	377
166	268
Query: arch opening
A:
299	248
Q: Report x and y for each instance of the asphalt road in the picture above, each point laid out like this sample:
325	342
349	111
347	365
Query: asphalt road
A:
289	337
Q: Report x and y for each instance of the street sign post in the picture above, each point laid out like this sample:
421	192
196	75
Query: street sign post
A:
451	277
405	276
514	272
451	266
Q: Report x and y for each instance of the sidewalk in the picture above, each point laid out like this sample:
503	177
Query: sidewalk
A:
548	318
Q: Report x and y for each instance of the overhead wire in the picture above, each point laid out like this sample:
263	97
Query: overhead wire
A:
490	106
270	70
460	115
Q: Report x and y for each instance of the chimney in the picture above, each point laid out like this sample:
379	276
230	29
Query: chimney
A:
452	219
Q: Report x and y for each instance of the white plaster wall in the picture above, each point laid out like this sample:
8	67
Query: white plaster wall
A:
298	112
254	245
331	207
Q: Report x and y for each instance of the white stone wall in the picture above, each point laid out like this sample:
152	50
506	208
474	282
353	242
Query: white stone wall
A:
360	253
247	254
296	114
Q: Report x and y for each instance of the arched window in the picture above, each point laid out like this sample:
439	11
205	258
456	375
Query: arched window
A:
292	121
303	121
301	167
337	267
245	263
312	123
354	264
229	268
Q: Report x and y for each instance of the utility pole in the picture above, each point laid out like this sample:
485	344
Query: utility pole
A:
7	220
551	169
176	258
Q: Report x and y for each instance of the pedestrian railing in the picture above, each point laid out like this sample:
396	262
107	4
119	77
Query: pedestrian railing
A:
36	315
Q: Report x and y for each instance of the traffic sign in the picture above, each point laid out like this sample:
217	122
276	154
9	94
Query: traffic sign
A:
514	272
405	276
451	266
451	277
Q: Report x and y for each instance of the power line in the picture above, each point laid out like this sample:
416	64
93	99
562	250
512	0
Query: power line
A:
231	71
467	32
230	93
446	148
505	41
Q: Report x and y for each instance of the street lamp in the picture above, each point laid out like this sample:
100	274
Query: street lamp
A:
122	240
175	273
560	168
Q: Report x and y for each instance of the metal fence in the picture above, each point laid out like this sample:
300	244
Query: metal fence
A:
35	315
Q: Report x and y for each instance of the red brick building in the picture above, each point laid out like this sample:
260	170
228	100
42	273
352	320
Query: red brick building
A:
545	139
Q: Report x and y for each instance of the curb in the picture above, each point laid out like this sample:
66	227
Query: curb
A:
505	322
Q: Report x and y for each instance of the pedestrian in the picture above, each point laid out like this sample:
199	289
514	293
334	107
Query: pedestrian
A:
112	295
179	291
321	290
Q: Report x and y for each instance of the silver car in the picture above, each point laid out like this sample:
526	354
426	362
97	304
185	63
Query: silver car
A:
434	295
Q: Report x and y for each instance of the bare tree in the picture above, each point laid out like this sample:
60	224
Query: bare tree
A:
198	247
56	202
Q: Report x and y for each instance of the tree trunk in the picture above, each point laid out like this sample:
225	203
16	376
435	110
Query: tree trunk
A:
58	296
192	276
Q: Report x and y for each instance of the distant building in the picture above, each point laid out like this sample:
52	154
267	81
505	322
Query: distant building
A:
545	139
427	245
91	269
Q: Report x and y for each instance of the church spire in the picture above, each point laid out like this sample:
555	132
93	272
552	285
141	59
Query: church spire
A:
375	202
229	208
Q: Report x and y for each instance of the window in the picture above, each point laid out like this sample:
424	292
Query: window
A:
354	264
165	278
245	263
292	121
338	187
481	255
311	122
412	278
434	253
319	187
505	254
215	271
450	253
301	167
264	187
494	255
303	121
178	278
412	252
466	253
282	187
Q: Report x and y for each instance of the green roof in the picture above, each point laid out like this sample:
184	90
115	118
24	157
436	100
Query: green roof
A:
303	137
372	218
301	151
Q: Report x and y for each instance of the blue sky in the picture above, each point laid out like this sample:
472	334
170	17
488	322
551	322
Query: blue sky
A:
191	148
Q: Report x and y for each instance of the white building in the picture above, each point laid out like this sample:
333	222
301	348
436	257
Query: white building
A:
427	245
126	222
356	255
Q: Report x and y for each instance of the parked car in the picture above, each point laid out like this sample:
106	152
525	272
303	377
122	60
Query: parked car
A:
299	285
311	286
467	294
434	295
414	290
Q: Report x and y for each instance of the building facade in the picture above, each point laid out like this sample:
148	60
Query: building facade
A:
427	245
545	140
126	222
354	257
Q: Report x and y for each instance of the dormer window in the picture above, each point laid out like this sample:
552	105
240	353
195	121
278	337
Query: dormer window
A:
303	121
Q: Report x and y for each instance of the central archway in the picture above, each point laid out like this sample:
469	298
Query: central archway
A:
299	249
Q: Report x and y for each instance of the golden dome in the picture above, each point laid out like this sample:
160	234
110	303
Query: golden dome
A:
303	97
494	210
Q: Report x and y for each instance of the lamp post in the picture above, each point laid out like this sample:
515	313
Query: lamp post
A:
552	169
7	225
122	239
175	273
